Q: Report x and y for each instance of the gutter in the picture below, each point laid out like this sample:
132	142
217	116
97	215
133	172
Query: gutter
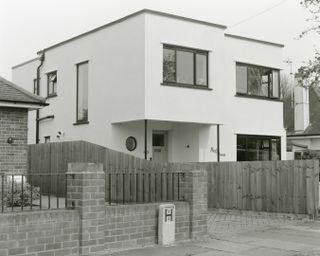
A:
41	58
46	117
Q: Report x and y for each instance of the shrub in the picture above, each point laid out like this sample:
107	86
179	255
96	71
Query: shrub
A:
17	198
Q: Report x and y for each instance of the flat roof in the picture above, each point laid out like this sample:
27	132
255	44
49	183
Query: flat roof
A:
150	12
24	63
131	16
253	40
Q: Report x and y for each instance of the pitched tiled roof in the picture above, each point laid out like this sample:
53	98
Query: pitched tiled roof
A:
9	92
314	108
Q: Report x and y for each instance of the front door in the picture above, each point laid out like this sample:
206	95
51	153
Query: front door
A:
159	146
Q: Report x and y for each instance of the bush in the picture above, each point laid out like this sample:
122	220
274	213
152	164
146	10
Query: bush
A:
17	198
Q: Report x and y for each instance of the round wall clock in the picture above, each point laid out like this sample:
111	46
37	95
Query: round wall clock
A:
131	143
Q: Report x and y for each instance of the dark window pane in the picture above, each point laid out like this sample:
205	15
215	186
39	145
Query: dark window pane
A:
52	83
275	84
241	78
158	140
258	81
82	108
201	69
258	148
275	149
185	67
169	65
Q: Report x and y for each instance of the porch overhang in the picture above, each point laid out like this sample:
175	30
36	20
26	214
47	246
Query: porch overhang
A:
167	121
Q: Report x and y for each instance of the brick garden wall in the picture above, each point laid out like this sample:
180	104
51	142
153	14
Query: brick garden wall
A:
13	123
131	226
42	233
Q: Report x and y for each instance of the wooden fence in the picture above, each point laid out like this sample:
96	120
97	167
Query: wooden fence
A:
271	186
54	158
274	186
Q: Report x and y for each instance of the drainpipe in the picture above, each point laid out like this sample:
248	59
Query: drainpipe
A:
218	142
145	139
41	58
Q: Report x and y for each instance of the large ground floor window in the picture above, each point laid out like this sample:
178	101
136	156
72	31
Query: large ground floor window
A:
258	148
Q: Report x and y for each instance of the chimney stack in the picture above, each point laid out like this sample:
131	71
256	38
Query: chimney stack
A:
301	108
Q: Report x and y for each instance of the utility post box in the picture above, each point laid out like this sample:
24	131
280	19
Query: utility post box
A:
166	225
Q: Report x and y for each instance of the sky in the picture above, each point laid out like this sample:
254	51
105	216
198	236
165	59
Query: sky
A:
27	26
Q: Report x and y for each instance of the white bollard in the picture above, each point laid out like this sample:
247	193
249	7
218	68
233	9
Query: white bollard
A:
166	224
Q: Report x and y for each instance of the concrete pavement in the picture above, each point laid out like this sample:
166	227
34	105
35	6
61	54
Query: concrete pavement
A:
250	234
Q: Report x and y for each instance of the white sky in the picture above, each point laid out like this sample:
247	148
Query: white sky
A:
27	26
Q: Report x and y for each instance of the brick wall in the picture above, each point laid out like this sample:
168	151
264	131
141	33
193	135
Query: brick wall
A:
46	233
13	123
130	226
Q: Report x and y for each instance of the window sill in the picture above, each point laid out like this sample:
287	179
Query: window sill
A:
51	96
200	87
81	122
257	97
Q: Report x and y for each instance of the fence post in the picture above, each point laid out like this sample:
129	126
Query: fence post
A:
86	193
194	189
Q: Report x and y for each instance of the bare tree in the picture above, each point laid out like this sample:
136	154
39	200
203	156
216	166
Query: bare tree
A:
309	74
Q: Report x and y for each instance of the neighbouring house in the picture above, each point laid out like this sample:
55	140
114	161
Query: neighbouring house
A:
302	121
15	102
161	87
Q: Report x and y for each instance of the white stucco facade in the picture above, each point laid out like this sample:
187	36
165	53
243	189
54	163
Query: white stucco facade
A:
125	88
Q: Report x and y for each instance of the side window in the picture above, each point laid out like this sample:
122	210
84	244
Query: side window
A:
52	84
35	86
82	93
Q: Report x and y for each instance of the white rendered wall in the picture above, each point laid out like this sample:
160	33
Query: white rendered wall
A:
125	75
24	76
220	105
116	84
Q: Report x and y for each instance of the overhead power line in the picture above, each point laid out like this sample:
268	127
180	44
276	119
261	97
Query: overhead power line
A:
258	14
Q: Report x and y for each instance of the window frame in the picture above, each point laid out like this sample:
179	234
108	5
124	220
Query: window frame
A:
261	137
194	51
269	97
82	121
54	94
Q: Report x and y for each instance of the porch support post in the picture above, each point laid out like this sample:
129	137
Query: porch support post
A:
145	138
218	142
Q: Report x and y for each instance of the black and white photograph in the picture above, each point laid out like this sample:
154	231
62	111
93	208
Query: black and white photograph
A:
160	127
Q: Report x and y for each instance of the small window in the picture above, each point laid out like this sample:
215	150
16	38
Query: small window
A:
47	139
82	92
52	84
185	67
257	81
158	140
35	86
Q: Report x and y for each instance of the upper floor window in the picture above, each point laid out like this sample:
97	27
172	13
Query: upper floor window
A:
52	84
257	81
82	92
185	67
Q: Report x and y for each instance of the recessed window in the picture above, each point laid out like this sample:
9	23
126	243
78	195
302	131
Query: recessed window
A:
184	66
52	84
257	81
258	148
82	92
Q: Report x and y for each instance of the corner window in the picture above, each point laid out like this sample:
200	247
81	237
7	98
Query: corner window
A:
52	84
82	92
258	148
185	67
257	81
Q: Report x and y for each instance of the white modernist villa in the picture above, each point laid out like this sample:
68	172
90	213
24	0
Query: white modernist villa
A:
161	87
